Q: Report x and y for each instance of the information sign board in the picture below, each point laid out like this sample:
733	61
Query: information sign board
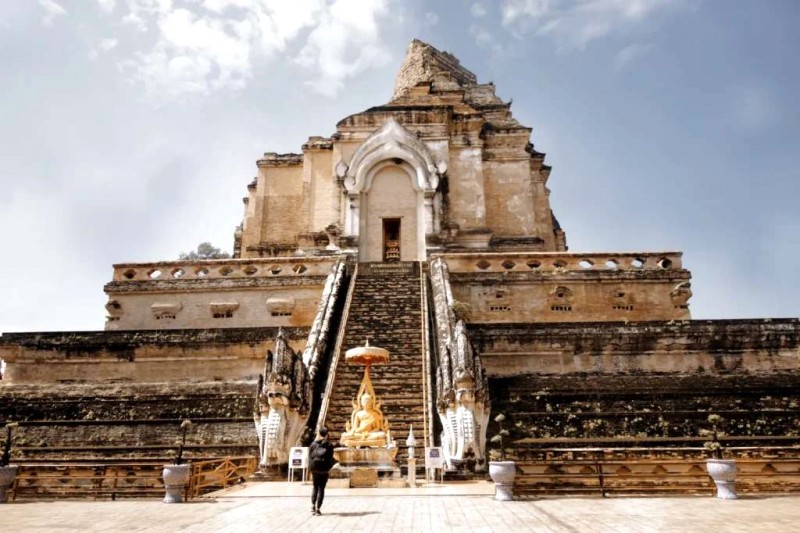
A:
298	460
434	458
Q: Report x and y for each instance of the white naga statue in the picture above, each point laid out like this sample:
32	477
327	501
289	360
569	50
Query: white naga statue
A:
463	405
282	403
461	387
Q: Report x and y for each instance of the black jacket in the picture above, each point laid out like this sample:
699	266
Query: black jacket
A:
328	462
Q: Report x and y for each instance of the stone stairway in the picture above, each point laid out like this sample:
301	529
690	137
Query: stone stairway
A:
386	308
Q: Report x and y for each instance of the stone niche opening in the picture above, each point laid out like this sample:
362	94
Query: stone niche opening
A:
114	310
223	309
280	307
391	240
165	310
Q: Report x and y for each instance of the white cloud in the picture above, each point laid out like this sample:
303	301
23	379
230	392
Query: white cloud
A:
483	37
108	44
280	22
629	54
344	43
51	11
218	6
431	18
478	10
573	24
514	10
104	45
209	45
107	6
142	11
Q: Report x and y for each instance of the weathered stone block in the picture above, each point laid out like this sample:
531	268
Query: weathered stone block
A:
364	478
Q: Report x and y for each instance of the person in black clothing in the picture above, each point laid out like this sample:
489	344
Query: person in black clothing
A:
321	461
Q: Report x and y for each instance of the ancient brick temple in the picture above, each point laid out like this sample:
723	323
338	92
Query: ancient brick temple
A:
424	227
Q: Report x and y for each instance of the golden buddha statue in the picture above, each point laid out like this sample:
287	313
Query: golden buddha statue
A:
367	426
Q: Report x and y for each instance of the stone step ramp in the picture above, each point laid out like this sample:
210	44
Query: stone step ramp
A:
386	309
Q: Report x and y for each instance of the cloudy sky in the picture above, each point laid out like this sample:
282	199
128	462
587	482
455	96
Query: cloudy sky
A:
129	129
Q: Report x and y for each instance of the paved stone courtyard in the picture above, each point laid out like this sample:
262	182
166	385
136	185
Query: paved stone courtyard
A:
459	507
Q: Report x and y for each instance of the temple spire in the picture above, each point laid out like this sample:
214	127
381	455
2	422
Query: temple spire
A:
424	63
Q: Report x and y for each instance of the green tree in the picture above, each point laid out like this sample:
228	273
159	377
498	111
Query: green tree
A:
204	251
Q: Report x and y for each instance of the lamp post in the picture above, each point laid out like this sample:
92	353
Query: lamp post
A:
411	442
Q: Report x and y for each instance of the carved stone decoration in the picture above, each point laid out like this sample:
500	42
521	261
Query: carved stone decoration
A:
622	299
681	293
280	306
560	298
333	231
341	169
282	404
164	310
114	310
391	141
320	328
223	309
461	385
237	237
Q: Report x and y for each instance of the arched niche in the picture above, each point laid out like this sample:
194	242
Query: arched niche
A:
391	211
389	175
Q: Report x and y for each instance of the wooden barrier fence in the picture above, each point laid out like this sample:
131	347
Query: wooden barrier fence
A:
65	480
603	477
128	480
216	474
656	476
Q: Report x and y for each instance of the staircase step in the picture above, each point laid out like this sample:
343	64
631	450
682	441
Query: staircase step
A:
386	309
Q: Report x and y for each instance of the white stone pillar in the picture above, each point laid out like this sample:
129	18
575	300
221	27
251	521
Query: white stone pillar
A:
352	215
411	442
429	229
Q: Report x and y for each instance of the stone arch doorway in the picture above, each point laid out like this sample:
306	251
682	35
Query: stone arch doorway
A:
392	175
391	227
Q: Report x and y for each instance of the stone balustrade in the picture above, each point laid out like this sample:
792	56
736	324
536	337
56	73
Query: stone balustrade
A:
561	261
223	269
